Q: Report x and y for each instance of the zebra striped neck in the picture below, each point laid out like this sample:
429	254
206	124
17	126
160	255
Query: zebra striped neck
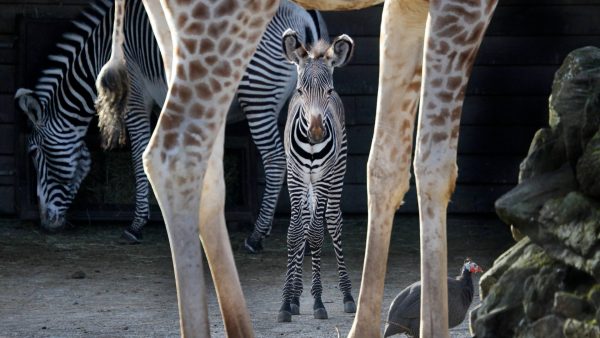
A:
66	88
314	158
302	144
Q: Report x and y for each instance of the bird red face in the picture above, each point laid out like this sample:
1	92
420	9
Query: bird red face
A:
472	267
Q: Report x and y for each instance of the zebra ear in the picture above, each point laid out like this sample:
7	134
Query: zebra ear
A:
340	51
293	50
29	104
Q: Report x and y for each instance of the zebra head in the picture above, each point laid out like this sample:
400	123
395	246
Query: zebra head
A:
61	160
314	90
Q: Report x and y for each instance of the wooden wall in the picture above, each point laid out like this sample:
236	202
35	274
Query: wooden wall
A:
506	101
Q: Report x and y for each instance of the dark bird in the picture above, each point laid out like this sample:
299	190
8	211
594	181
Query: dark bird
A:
404	314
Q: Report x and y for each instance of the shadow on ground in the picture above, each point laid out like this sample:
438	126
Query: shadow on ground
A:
83	283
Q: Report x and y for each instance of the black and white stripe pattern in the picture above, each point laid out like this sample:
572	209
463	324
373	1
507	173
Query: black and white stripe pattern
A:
315	147
262	93
62	105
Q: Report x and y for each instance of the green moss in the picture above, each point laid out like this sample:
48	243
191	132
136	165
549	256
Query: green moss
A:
535	257
593	295
595	288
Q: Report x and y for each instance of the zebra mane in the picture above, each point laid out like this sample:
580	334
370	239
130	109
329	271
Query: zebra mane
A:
319	49
68	48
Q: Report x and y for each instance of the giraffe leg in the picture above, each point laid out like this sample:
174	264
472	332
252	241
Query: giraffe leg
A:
161	31
215	240
454	33
402	30
178	194
201	87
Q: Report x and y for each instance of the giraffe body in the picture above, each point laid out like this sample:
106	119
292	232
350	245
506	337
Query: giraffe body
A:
427	52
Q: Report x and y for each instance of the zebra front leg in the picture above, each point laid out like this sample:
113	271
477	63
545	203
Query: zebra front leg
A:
334	227
298	284
315	237
138	127
295	245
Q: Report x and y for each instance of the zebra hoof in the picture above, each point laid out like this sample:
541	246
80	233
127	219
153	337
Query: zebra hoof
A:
295	309
320	313
350	307
295	306
252	246
284	316
131	237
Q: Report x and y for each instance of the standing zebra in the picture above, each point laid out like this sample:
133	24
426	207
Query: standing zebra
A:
62	105
315	146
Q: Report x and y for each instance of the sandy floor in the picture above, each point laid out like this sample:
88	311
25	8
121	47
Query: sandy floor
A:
83	283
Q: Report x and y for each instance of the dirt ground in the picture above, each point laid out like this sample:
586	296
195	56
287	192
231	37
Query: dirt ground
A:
83	283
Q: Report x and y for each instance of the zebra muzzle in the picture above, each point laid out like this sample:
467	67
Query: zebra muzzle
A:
52	221
316	130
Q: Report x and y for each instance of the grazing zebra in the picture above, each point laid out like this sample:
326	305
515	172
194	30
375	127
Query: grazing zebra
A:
315	147
61	107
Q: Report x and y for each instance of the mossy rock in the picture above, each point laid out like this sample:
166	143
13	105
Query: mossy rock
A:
546	153
569	230
501	264
574	103
580	329
571	305
502	310
521	205
540	290
588	168
546	327
593	296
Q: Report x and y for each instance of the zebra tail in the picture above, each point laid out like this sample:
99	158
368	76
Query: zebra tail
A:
111	104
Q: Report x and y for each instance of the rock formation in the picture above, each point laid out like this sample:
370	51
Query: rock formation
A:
548	284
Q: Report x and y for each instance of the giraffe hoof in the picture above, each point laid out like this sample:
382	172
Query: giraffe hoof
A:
284	316
350	307
252	246
320	313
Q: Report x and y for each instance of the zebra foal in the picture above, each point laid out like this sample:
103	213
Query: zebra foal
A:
315	146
